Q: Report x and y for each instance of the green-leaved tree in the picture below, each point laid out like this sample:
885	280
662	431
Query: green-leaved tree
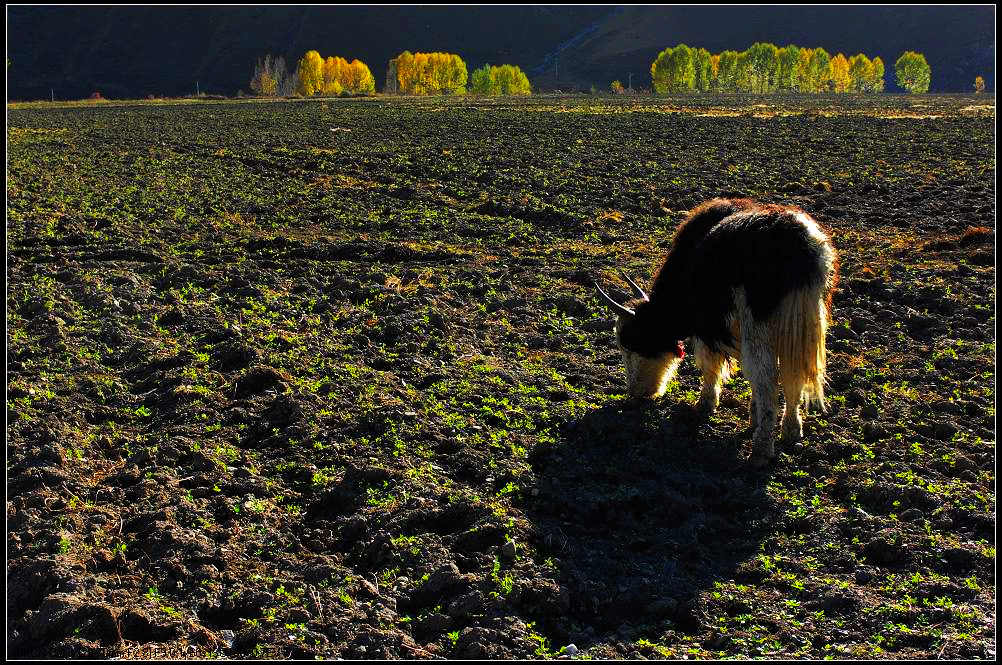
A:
876	75
913	72
762	62
702	70
496	81
727	72
786	70
860	73
674	70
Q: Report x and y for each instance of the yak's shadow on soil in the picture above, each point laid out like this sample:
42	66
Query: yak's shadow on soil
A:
640	507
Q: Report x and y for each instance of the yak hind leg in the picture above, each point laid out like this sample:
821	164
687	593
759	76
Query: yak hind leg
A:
715	367
761	366
793	391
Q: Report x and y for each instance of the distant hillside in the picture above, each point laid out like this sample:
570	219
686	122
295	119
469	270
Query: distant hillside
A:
959	43
135	51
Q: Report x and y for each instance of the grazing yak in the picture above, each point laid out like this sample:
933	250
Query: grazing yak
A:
742	280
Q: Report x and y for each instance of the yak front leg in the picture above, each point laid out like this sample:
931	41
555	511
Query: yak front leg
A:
714	367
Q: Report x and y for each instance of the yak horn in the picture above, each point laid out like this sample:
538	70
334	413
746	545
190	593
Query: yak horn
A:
613	306
637	291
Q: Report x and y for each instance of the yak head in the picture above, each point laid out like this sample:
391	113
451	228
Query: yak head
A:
641	338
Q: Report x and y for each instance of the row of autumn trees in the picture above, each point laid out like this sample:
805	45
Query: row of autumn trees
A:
503	80
446	74
313	75
764	68
426	74
408	73
333	76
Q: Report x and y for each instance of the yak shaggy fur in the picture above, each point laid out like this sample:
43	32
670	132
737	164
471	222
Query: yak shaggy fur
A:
742	280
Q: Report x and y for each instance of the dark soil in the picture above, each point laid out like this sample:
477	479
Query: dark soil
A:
281	391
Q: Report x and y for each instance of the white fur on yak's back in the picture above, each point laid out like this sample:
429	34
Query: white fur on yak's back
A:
816	234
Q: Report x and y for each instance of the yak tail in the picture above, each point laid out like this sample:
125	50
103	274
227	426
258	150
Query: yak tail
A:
801	326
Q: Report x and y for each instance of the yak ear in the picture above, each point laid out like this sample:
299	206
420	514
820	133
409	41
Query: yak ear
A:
612	305
637	291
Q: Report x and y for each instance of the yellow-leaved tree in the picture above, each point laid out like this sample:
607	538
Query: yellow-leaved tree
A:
840	74
362	81
427	74
422	83
310	74
819	70
351	76
334	75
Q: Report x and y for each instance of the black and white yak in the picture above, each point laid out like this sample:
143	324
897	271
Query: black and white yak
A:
742	280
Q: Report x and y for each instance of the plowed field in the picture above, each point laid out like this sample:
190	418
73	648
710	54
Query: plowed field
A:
329	379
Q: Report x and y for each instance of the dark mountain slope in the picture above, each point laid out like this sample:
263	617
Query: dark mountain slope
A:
959	43
134	51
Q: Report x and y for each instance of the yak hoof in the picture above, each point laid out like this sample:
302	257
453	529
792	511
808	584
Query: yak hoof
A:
793	428
705	409
760	460
793	436
763	454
